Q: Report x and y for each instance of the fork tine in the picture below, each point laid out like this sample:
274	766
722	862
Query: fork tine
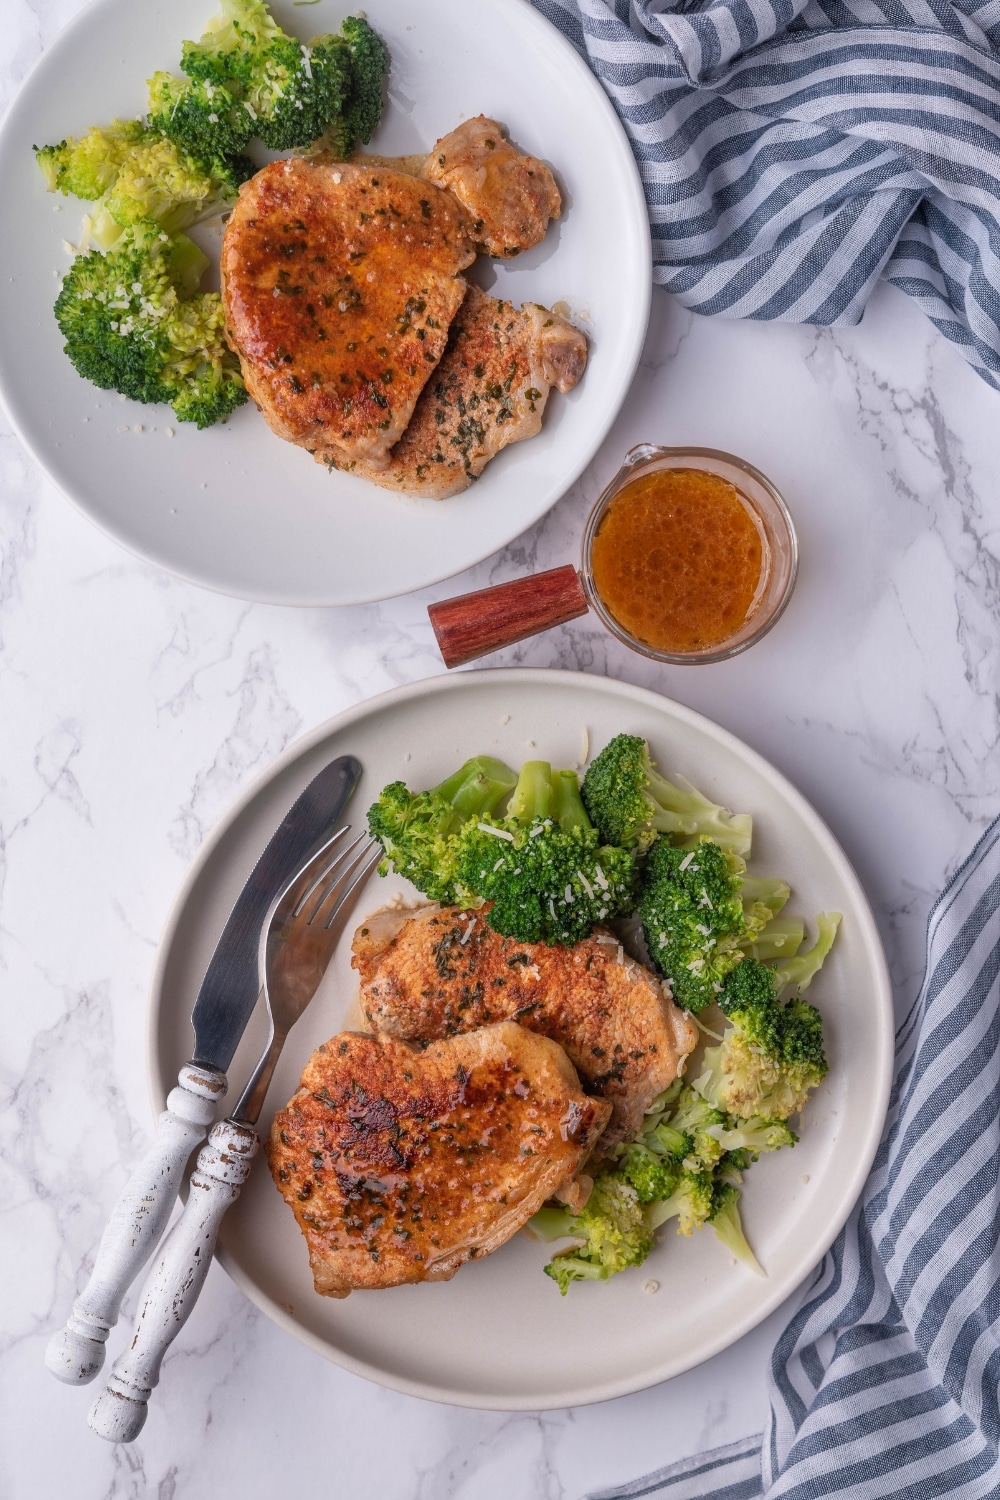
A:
368	864
333	859
343	867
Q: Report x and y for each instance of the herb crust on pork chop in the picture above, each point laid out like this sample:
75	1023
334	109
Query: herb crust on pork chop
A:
439	971
339	285
490	390
401	1164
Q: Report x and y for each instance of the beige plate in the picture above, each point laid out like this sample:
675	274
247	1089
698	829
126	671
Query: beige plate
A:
500	1335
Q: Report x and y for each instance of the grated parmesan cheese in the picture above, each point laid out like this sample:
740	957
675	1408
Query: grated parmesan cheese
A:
498	833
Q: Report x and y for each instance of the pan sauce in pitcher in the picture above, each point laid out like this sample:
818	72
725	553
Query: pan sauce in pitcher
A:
678	559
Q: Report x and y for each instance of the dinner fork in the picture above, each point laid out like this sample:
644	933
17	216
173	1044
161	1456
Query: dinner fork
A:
297	943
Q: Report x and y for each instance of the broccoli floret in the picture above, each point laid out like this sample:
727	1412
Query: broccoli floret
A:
235	43
542	867
419	831
87	167
652	1174
771	1056
134	322
690	1203
613	1230
669	1141
750	987
247	78
697	908
801	970
630	802
135	175
204	118
725	1220
745	1140
369	65
750	1075
160	183
734	1164
703	1124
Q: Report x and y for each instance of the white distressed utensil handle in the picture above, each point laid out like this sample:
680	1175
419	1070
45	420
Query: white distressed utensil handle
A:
76	1352
178	1276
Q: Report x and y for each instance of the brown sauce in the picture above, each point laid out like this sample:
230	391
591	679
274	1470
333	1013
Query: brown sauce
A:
677	560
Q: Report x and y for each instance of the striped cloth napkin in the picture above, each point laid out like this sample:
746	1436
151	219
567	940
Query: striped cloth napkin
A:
793	151
885	1382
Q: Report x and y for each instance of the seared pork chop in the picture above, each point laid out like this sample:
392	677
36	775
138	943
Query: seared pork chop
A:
441	971
339	285
489	390
400	1164
510	196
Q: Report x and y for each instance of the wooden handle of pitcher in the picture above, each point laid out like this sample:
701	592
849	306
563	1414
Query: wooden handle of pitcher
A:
474	624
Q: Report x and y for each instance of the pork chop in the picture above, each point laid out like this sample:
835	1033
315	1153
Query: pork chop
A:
401	1164
489	390
440	971
339	285
509	196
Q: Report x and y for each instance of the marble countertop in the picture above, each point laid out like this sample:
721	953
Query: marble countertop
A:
135	707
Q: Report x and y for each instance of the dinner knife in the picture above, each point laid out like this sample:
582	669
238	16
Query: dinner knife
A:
224	1005
296	946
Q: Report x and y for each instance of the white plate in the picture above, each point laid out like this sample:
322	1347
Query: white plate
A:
234	508
499	1335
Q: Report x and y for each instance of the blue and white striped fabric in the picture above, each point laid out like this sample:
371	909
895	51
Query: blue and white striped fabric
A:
885	1383
793	151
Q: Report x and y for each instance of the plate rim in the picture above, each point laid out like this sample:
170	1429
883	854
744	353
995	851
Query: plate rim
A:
585	452
159	1084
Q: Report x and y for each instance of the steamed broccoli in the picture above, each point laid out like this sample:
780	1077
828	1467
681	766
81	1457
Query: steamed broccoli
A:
690	1203
630	802
686	1163
744	1141
419	831
771	1055
134	322
204	118
652	1174
697	908
246	78
702	1123
87	167
725	1220
542	866
613	1231
369	65
135	175
802	969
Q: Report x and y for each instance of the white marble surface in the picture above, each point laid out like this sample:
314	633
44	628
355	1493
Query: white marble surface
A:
134	707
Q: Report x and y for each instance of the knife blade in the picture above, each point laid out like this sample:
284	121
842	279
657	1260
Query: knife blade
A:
230	987
221	1011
